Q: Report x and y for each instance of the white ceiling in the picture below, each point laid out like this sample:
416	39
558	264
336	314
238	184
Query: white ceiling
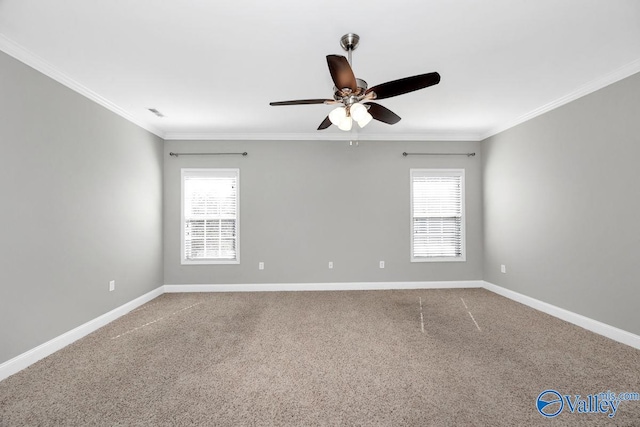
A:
212	67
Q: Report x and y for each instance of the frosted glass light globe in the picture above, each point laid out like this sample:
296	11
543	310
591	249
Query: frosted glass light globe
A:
336	116
365	120
346	124
358	111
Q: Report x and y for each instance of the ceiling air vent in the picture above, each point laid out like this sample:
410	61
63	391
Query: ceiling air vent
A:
156	112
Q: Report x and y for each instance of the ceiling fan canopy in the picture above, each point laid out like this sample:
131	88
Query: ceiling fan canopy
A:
353	96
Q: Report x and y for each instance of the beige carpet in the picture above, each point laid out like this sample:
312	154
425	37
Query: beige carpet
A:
324	358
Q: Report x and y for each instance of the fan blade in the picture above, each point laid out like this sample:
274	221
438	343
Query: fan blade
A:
382	114
341	72
406	85
302	102
325	123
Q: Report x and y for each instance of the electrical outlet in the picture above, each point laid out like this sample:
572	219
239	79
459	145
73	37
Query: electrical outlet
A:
503	268
261	265
112	285
381	264
330	264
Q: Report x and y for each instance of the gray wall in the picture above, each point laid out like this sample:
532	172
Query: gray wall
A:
562	206
81	205
305	203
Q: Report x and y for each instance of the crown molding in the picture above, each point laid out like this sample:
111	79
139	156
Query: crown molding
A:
444	136
594	85
23	55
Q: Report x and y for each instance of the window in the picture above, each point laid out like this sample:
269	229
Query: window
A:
210	206
437	215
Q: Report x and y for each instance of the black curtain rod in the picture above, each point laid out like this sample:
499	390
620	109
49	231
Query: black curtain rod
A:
438	154
208	154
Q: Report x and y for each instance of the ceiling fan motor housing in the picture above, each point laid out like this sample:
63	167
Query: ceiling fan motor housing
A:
344	95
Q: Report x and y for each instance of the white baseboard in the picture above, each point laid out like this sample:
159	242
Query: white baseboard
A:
600	328
26	359
22	361
345	286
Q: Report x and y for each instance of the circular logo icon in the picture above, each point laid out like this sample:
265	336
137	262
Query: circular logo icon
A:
550	403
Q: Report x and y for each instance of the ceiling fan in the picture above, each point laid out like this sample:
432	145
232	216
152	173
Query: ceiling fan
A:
353	95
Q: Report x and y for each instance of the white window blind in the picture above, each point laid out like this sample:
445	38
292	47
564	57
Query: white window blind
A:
210	205
437	215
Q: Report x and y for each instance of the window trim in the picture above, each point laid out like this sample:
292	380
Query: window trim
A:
208	261
439	172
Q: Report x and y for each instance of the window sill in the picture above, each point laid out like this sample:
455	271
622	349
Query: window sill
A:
439	259
208	262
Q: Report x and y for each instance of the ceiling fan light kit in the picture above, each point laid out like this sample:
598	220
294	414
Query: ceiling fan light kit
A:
344	116
355	97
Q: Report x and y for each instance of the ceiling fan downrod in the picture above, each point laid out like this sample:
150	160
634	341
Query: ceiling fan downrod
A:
352	109
349	42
